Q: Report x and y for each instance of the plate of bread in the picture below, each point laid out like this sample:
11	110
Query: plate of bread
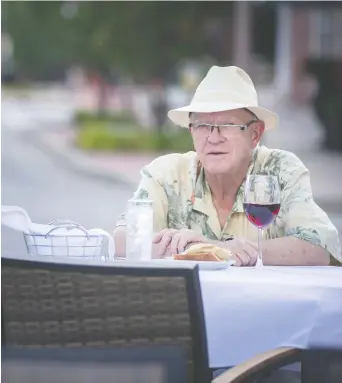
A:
206	256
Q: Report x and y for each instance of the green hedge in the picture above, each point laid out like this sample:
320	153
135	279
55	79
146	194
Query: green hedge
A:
84	117
100	136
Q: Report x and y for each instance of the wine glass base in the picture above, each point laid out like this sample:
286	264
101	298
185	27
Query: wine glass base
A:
259	264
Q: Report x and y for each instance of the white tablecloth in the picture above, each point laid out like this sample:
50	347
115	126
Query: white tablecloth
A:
248	311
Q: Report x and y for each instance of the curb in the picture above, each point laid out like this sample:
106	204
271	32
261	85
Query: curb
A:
74	160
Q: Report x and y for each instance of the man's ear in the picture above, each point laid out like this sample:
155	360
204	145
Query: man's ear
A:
258	131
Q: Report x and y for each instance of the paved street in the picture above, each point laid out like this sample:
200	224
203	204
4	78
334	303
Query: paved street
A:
46	190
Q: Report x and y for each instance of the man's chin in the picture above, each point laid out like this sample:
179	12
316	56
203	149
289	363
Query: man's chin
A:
217	169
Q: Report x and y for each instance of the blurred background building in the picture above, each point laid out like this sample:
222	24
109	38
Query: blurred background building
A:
103	48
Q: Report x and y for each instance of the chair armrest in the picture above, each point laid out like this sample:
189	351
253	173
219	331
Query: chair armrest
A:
260	365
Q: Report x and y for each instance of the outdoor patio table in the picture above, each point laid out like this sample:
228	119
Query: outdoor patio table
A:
249	311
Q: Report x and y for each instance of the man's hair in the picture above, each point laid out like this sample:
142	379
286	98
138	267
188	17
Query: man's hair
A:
246	109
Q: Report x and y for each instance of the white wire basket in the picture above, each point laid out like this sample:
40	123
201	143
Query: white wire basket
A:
76	244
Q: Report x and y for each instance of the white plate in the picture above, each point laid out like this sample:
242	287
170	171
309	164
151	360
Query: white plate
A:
203	265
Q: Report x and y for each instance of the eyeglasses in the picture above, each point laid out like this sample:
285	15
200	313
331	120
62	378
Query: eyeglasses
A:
223	129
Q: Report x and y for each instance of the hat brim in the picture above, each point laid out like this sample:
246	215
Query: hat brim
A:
180	116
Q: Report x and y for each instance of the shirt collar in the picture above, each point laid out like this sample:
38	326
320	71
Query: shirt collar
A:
201	188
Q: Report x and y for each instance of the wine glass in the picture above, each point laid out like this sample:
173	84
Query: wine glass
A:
261	205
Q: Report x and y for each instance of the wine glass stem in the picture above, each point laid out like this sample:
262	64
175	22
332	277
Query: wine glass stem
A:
259	263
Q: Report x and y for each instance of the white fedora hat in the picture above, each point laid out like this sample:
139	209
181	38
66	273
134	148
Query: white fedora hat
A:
224	88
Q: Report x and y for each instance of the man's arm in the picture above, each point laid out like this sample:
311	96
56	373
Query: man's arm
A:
292	251
286	251
310	237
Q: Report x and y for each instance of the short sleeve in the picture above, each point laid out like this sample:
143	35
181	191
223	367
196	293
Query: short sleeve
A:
151	189
300	215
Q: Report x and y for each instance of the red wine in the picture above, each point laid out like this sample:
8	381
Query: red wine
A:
261	215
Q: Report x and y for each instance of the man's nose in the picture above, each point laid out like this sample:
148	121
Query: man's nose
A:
215	136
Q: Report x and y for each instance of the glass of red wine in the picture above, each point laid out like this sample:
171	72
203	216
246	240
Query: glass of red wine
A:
261	205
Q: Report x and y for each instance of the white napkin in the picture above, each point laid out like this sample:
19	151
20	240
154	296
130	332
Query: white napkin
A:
55	240
16	218
108	238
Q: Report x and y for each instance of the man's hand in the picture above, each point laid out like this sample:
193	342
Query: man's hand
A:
176	241
245	253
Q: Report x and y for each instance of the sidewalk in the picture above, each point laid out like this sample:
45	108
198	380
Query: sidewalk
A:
117	167
124	168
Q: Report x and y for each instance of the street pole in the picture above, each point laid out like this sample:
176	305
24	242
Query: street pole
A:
242	34
283	71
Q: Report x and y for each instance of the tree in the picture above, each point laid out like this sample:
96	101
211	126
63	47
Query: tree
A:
143	40
38	32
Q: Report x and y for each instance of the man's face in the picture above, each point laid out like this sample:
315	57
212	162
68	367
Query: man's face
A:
226	149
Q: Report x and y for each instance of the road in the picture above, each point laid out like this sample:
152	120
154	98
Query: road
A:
44	189
47	190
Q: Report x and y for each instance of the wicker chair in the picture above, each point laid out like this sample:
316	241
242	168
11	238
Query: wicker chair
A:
63	304
317	366
259	366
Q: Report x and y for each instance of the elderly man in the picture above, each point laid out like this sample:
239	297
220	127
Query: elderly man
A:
198	196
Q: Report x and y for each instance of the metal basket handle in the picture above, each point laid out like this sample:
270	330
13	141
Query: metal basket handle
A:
59	222
68	226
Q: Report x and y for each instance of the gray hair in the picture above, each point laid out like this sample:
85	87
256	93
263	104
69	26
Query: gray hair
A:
245	109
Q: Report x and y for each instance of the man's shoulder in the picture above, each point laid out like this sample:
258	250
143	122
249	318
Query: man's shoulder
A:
170	166
279	161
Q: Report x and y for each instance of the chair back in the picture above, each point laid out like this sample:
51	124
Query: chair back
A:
61	303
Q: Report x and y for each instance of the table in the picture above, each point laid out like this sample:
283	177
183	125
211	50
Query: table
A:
249	311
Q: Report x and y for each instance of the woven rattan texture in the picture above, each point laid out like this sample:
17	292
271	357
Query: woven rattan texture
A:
53	308
57	308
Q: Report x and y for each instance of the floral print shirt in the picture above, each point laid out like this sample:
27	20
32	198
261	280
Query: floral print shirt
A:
182	199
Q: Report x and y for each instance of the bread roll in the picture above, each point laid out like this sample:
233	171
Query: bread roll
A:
204	252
